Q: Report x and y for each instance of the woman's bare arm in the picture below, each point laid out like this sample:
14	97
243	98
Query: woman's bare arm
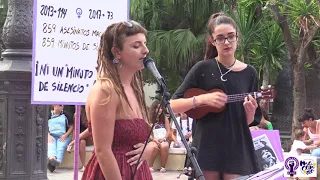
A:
317	144
167	126
70	129
214	99
102	117
183	104
306	138
84	134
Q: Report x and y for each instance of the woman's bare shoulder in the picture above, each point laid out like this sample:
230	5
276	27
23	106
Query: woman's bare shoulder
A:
102	91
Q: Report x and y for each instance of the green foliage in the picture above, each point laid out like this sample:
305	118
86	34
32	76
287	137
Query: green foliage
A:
316	42
3	12
174	46
307	65
249	28
177	32
261	42
269	52
298	9
249	4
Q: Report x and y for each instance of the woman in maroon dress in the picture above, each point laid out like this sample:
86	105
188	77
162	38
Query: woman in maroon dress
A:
116	108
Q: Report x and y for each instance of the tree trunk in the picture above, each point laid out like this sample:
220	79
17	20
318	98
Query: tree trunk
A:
265	79
312	82
282	109
299	90
299	83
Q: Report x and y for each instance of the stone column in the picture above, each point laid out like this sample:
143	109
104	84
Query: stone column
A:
23	127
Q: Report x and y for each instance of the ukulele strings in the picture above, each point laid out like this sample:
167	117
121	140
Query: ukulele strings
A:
238	97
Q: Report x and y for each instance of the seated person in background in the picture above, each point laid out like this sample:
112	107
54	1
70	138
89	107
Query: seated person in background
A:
311	128
254	128
172	135
264	123
60	127
158	142
185	124
85	138
298	145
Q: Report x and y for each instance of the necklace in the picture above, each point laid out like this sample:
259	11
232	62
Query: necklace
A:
230	68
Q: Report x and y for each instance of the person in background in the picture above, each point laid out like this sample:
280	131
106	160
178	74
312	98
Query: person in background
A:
85	138
264	123
159	141
185	124
60	126
311	128
298	146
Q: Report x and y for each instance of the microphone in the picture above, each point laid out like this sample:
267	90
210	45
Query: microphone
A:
148	63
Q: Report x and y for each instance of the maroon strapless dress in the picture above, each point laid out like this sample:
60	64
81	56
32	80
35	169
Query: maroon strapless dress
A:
127	133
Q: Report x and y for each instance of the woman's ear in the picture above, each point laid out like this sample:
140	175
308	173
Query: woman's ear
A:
116	53
210	39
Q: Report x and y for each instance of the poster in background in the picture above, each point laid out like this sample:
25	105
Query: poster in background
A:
66	36
268	147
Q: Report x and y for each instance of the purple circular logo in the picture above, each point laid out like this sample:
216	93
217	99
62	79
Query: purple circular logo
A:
291	165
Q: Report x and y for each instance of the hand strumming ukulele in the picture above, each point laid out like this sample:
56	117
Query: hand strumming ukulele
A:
200	111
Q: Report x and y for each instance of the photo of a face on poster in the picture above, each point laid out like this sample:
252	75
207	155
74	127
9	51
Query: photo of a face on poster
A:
264	151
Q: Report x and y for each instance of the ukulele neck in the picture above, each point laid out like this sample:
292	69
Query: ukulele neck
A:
240	97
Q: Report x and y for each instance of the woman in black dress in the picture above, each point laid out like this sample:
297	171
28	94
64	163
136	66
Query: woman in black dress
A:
223	140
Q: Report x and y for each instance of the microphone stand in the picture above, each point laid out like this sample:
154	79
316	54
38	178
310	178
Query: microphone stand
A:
190	151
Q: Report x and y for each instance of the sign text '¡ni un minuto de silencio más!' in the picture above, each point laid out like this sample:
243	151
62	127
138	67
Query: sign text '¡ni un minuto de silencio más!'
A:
49	42
67	37
66	72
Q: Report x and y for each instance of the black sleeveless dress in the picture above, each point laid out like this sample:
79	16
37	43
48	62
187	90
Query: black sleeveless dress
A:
223	140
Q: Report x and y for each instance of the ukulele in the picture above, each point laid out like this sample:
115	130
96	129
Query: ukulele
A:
202	110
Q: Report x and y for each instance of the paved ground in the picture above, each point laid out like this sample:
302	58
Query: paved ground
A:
67	174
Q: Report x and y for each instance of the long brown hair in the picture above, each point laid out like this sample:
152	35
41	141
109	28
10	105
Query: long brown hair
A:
114	36
153	115
215	20
83	116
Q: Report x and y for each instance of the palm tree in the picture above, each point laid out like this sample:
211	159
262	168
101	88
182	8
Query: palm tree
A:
304	17
299	22
268	53
177	32
313	75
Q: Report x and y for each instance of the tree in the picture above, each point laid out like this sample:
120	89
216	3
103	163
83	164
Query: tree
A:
176	33
305	18
312	68
3	15
267	54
